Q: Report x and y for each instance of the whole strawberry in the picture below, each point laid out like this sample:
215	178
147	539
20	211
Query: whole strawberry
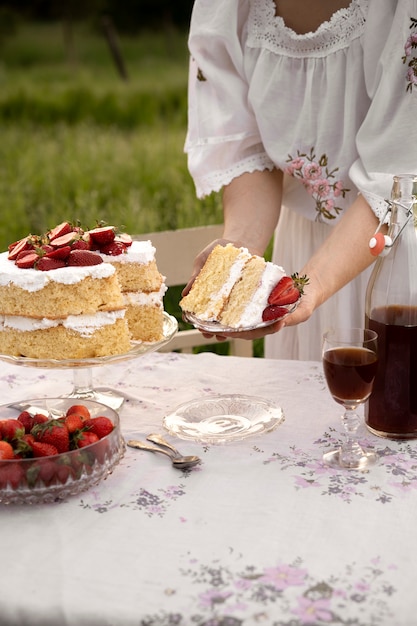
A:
26	419
100	425
6	451
53	432
80	409
11	429
11	474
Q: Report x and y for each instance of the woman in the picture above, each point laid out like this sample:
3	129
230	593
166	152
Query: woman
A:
302	111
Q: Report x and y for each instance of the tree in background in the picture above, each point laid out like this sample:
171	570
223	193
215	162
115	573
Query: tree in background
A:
129	16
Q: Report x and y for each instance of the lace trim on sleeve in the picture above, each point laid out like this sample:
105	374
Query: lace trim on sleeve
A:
219	178
267	30
377	204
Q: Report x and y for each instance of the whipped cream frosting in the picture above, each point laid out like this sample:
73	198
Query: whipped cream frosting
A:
35	280
142	252
153	298
85	325
252	315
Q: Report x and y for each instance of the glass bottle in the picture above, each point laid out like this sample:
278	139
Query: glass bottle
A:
391	310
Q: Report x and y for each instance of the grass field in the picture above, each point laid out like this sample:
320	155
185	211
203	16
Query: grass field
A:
80	143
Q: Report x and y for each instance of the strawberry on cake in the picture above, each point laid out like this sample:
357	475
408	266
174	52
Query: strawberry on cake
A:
237	289
60	295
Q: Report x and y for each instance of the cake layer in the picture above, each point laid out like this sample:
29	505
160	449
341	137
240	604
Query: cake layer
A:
58	342
145	322
58	300
212	287
137	269
58	293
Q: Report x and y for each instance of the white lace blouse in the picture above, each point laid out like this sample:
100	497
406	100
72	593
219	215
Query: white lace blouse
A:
335	109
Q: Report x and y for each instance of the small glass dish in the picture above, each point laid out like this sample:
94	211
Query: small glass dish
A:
223	419
43	479
216	328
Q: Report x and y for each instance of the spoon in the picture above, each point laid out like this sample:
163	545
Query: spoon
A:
160	441
180	462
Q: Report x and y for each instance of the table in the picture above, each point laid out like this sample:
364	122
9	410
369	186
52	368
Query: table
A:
260	533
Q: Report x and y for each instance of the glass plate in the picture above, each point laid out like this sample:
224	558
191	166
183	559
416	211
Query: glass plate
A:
224	418
216	327
170	327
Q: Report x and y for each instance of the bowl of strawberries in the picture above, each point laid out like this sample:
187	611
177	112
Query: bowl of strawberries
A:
53	448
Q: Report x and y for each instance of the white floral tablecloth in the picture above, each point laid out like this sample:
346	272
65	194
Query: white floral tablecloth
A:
260	533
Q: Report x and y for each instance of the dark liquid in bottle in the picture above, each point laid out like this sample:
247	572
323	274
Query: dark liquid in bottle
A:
350	373
392	407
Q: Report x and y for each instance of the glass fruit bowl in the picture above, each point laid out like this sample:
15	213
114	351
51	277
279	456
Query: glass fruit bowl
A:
53	478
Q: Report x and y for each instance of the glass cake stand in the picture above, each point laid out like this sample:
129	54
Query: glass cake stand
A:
83	387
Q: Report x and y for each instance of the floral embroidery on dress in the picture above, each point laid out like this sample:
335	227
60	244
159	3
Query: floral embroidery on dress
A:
319	181
410	56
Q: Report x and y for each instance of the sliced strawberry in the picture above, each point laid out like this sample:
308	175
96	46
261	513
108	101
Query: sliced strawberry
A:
284	287
24	253
84	258
58	253
46	264
64	240
115	248
102	235
28	261
15	248
273	312
47	248
288	290
59	231
124	238
81	244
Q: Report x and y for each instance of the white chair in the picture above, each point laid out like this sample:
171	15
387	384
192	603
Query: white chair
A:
175	253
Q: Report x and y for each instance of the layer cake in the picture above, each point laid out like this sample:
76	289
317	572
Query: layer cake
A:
70	294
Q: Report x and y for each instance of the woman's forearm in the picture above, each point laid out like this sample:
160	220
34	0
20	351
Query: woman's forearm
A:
344	254
251	205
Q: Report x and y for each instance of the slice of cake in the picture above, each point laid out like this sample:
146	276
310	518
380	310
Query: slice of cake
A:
239	290
64	295
143	289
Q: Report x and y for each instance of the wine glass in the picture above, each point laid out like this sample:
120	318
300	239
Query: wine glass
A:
350	361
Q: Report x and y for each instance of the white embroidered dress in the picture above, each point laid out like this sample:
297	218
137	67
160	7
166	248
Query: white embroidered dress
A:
336	110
